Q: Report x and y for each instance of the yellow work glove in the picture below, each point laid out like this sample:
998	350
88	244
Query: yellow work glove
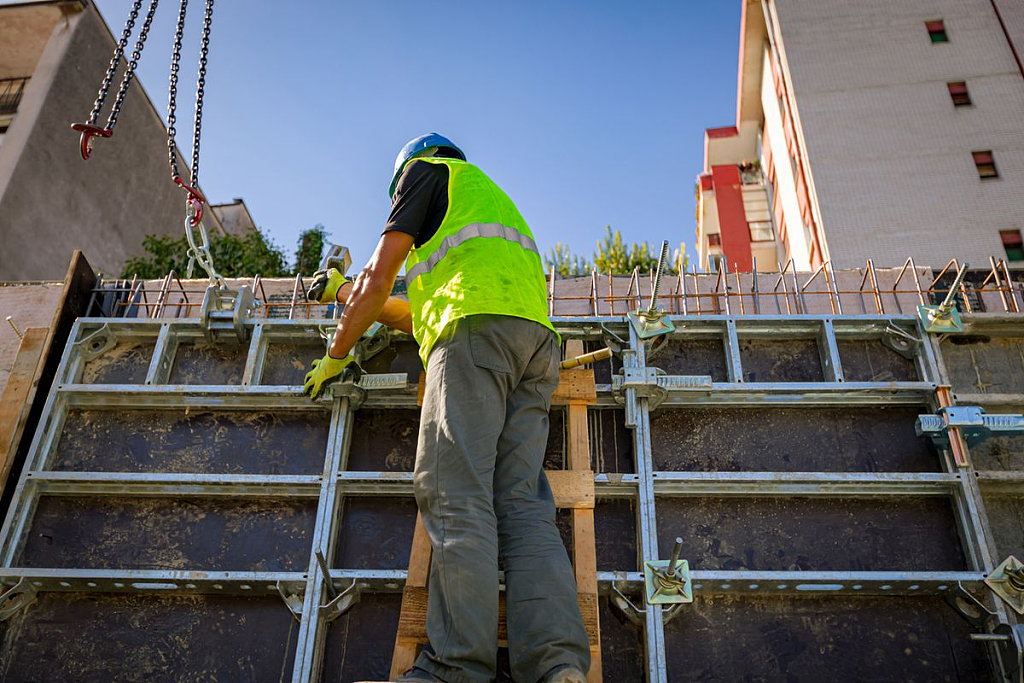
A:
326	284
326	370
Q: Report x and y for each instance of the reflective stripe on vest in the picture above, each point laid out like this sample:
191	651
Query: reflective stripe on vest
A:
464	234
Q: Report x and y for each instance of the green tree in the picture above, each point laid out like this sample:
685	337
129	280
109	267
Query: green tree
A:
310	250
614	256
233	255
566	263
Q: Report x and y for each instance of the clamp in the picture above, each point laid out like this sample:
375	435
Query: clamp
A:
974	423
944	318
668	582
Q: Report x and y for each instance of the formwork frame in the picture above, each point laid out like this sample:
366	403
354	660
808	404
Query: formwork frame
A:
315	598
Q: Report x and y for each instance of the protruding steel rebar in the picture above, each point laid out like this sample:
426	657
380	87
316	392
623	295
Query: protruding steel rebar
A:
10	321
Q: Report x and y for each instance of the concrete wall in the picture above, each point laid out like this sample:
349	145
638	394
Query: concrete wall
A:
51	201
891	156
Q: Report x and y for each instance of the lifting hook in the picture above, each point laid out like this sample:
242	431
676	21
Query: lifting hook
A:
195	201
88	132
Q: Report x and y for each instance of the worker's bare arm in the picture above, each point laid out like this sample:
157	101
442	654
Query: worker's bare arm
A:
371	292
395	314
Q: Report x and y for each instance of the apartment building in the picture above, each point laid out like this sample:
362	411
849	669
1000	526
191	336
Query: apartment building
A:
872	129
52	57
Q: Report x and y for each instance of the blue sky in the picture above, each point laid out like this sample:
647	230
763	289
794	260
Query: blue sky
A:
586	113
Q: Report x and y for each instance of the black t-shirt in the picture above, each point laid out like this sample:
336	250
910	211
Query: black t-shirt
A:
420	201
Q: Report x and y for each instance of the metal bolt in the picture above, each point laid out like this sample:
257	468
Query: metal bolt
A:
662	262
10	321
672	564
947	304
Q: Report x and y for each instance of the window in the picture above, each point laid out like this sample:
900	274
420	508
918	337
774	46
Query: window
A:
986	164
1013	243
715	239
937	31
761	231
958	93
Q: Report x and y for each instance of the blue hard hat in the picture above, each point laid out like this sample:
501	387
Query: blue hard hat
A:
414	147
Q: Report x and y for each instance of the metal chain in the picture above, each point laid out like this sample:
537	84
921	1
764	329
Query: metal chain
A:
200	91
129	72
115	61
172	94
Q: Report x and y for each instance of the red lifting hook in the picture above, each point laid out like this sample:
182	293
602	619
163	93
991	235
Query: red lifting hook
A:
196	198
88	133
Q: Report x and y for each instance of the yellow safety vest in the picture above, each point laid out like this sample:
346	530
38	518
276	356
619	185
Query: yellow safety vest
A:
482	259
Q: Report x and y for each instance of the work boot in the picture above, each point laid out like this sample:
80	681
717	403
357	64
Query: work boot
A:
567	674
418	675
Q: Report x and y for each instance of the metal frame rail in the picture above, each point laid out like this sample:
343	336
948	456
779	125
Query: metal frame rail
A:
316	598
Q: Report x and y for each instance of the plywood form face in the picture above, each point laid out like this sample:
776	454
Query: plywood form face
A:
288	362
1001	452
752	439
126	363
384	440
770	640
611	450
984	365
622	645
358	644
866	360
375	532
166	533
693	357
95	638
201	363
615	534
199	441
792	360
812	534
1006	520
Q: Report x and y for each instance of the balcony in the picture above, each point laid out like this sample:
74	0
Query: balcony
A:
11	90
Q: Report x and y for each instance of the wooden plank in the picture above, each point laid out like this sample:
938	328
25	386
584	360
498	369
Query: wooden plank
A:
18	395
578	389
572	488
421	389
406	650
412	625
575	386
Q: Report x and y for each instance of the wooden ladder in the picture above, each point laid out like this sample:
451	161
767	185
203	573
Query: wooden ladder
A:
573	488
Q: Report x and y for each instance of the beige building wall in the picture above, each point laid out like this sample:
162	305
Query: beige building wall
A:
890	156
51	201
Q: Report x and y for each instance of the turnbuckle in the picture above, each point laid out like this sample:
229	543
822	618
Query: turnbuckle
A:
88	132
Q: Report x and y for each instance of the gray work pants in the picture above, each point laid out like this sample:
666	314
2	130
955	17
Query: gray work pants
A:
480	486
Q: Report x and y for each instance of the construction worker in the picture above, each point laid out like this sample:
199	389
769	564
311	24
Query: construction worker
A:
478	309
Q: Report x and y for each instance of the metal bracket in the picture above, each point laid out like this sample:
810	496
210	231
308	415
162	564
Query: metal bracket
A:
649	324
17	598
655	385
975	425
968	606
1009	639
355	391
1007	581
96	344
900	341
292	601
668	582
628	609
376	338
225	310
341	602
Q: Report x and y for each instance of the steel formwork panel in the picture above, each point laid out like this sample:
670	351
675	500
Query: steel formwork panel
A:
225	425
